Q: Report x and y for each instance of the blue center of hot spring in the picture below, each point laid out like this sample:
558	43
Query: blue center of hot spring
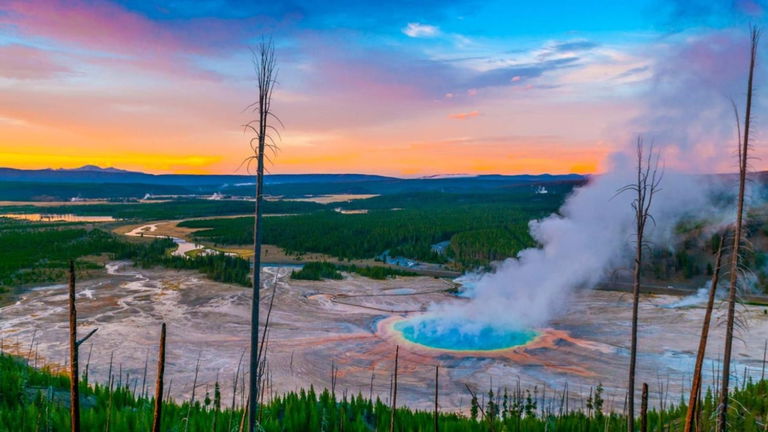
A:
438	333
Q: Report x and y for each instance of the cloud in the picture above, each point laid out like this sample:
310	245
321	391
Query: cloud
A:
27	63
417	30
632	72
687	109
562	49
517	73
580	45
106	32
465	116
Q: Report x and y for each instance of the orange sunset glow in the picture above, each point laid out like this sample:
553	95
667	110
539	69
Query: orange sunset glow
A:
120	84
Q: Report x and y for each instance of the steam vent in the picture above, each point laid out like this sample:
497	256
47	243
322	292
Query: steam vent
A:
438	333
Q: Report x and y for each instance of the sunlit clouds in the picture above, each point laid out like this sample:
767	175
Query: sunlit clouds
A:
395	89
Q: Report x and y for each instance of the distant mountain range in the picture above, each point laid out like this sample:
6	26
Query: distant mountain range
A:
94	168
95	182
95	174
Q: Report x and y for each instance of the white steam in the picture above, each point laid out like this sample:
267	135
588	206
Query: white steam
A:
687	115
592	235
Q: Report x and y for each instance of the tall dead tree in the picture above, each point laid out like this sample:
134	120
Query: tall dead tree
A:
693	400
737	233
437	377
394	393
158	414
644	408
645	187
266	73
74	390
74	348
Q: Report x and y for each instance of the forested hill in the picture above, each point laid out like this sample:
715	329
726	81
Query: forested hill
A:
96	183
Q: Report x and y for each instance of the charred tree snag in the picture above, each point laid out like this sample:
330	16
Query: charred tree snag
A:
693	401
157	417
645	187
722	408
266	74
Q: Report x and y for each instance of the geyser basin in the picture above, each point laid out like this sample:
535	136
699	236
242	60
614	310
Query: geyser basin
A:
438	333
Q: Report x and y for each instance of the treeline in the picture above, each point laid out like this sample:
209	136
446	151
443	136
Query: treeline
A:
520	196
34	255
60	191
42	255
324	270
690	259
216	266
408	232
175	209
31	401
479	247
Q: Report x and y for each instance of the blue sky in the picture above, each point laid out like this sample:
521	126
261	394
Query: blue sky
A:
399	87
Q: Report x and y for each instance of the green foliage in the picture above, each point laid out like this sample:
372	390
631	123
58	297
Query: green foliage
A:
26	262
317	271
325	270
478	247
217	266
39	256
175	209
375	272
494	228
35	400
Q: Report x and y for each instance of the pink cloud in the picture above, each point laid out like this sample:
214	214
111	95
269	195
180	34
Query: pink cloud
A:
464	116
23	62
98	25
106	32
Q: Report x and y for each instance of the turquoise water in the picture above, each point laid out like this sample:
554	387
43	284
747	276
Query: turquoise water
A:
435	332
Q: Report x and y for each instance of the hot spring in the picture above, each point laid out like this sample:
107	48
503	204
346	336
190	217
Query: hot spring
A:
440	333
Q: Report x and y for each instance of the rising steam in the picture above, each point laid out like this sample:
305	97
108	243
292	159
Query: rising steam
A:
590	237
687	117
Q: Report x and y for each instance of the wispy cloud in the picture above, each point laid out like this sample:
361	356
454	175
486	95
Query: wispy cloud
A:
418	30
28	63
465	116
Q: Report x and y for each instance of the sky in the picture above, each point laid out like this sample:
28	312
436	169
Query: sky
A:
403	87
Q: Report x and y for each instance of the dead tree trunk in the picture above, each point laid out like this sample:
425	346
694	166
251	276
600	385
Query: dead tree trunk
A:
646	186
437	377
74	389
734	264
370	392
157	418
693	400
394	393
644	409
264	63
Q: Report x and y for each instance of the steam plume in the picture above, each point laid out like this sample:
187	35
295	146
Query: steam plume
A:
687	116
